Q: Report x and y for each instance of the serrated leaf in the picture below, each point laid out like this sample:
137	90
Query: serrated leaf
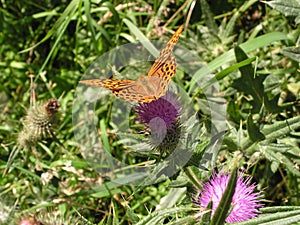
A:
208	17
275	209
292	53
253	130
280	128
274	166
158	215
277	158
279	147
248	82
280	218
272	132
251	84
287	7
170	200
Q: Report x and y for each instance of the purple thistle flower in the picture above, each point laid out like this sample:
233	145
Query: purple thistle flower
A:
245	202
162	118
165	108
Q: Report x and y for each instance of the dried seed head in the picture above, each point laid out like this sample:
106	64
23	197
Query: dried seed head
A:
52	106
26	139
38	123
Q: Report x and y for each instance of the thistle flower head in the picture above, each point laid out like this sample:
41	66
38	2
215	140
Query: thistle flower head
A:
245	201
162	118
166	109
38	123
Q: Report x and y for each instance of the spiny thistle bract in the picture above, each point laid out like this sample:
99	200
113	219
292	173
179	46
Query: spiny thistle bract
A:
39	123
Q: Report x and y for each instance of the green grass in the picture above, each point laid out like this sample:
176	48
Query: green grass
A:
237	59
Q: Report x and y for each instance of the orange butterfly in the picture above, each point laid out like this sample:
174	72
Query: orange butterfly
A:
145	88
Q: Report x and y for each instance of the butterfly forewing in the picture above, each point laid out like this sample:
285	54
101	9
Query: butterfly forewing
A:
111	84
146	88
165	64
166	60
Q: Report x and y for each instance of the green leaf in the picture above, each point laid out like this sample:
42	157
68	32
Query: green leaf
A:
225	72
186	220
280	218
230	26
172	198
142	38
287	7
277	153
107	193
104	190
61	24
158	215
292	53
230	69
134	219
280	128
274	131
249	83
274	154
15	151
229	56
87	10
198	153
112	9
209	18
253	130
276	209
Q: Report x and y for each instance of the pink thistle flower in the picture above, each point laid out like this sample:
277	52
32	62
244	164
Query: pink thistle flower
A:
245	201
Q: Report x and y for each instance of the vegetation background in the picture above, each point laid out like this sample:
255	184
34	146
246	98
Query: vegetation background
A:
47	180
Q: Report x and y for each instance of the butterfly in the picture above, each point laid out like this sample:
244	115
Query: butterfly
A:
145	88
